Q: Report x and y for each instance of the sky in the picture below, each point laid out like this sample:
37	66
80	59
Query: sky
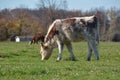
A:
72	4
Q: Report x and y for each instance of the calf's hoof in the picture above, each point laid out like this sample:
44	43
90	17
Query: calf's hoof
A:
58	59
97	58
88	59
73	59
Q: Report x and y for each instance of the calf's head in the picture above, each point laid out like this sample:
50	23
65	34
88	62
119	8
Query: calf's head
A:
46	51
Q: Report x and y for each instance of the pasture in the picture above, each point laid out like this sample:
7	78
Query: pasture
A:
20	61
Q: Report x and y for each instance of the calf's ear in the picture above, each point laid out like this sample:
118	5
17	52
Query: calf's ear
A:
57	32
83	21
42	44
45	47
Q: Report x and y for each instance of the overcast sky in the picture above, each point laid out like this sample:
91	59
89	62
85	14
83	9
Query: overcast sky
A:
72	4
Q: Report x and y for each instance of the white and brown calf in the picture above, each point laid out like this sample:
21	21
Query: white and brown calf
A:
65	31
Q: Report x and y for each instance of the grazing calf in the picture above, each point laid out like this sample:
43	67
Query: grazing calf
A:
65	31
37	38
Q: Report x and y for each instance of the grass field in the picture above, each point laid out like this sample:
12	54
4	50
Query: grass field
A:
20	61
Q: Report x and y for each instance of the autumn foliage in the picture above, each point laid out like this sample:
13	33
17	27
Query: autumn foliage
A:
24	21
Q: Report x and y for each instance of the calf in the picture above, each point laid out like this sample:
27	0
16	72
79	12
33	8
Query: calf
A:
65	31
37	38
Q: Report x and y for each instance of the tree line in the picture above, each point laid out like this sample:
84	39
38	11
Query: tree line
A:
24	21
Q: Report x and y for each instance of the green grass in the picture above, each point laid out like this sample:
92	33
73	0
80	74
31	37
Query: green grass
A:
20	61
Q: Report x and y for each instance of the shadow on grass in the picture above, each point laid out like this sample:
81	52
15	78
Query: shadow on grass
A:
8	55
69	59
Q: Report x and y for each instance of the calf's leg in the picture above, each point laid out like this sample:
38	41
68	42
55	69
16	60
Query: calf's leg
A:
93	46
89	52
87	37
95	49
69	47
60	48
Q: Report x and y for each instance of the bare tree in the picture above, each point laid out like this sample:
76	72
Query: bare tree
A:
49	9
52	4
